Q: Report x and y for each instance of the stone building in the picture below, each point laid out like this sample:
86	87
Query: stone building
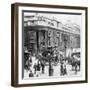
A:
41	33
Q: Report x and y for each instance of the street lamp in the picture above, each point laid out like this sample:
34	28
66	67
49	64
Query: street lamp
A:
65	44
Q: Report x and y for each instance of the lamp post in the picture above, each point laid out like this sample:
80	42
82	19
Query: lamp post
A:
65	44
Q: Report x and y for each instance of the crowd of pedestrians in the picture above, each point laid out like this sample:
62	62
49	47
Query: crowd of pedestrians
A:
36	65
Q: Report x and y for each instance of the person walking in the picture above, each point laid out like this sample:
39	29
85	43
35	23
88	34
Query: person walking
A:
76	65
35	65
31	74
43	66
38	68
35	68
30	62
61	68
50	66
64	67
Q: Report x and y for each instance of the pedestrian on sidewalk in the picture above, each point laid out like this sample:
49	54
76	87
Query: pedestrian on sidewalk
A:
43	66
64	67
31	74
76	65
61	68
50	65
38	68
35	68
51	70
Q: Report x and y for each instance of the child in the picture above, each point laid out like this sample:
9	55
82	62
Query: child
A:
31	74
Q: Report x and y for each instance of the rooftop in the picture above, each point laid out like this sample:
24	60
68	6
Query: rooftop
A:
39	20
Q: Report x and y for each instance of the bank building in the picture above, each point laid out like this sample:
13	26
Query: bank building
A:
42	33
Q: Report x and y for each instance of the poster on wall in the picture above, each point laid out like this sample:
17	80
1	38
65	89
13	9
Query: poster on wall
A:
49	44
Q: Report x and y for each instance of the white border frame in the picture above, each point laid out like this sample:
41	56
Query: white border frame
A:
32	81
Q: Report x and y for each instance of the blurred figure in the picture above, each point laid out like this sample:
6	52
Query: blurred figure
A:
31	74
43	66
56	58
50	65
64	67
76	65
42	63
38	68
50	69
32	60
35	68
61	68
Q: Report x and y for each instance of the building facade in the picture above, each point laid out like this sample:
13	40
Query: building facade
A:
41	33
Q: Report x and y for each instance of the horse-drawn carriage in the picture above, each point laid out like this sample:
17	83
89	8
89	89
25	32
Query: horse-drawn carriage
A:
75	62
49	55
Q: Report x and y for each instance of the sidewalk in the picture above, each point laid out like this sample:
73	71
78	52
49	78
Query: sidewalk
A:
56	72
